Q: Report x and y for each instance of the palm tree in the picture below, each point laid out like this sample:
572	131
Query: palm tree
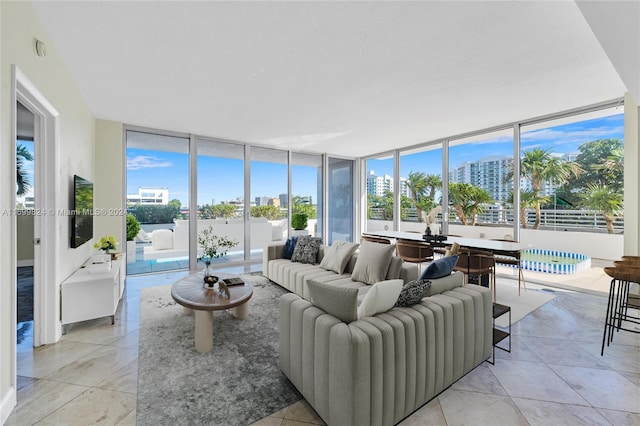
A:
539	166
528	199
478	201
603	199
459	196
22	181
417	183
433	182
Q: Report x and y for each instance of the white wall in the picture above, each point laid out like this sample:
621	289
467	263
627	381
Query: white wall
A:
109	185
631	177
18	27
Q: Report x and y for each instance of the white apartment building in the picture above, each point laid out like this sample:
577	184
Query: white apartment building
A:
149	196
377	185
487	173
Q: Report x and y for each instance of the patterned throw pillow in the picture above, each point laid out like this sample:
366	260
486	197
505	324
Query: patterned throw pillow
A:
306	250
413	291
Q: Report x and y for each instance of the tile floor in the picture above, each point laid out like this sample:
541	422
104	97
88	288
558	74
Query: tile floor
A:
554	374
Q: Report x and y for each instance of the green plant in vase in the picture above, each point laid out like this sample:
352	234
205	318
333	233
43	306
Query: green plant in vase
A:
213	247
106	244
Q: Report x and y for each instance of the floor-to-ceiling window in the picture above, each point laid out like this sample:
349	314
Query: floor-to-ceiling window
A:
306	190
269	183
481	186
380	199
340	198
158	196
571	173
421	189
220	193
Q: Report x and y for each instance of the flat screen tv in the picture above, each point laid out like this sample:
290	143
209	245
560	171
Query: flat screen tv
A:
82	212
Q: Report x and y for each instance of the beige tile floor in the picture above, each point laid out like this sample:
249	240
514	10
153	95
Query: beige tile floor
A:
554	374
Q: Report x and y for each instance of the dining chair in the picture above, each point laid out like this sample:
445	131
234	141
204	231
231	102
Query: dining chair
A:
477	263
511	261
373	239
414	252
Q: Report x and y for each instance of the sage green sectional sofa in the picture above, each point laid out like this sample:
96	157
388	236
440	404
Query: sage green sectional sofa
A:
377	370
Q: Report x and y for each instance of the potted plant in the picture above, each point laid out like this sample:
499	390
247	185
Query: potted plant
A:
299	223
133	227
107	244
213	247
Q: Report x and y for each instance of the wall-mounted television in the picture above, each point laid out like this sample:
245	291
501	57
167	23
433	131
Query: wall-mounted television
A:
82	212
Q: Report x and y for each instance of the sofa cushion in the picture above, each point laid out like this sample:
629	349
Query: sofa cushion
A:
439	268
413	291
337	256
380	298
162	239
306	250
289	246
373	262
341	302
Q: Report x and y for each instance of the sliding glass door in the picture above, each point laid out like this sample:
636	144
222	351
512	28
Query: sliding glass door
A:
340	220
268	217
220	193
158	197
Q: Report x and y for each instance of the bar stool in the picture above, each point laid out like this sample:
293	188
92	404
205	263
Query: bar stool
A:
623	274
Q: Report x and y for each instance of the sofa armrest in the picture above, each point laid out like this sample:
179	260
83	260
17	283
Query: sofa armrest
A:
408	272
271	251
440	285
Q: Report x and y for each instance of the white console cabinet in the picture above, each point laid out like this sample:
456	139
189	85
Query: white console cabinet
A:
87	295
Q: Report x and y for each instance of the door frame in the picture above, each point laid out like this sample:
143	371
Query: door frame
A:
47	327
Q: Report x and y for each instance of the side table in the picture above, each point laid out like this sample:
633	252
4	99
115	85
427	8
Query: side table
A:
500	335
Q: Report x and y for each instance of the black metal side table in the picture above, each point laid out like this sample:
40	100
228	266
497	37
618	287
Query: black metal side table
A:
500	335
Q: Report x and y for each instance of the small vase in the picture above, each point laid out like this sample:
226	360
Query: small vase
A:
209	278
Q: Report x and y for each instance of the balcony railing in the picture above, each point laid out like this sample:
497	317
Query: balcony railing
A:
549	218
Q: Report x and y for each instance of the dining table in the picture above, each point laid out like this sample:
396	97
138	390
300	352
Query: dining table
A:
511	249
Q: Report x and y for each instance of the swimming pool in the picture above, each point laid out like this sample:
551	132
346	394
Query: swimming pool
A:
554	262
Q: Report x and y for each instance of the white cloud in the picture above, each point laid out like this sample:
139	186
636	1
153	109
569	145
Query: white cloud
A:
146	162
574	136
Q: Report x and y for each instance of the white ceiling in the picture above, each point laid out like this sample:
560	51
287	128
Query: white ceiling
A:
348	78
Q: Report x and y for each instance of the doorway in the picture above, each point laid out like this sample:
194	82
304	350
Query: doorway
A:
25	208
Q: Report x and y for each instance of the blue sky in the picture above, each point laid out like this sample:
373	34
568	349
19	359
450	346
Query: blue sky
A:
560	139
222	179
219	179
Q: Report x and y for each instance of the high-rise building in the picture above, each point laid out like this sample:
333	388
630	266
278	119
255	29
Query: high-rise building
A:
377	185
487	173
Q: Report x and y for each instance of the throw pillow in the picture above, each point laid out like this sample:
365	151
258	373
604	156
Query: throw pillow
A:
439	268
337	256
380	298
413	291
453	251
373	262
289	246
306	250
341	302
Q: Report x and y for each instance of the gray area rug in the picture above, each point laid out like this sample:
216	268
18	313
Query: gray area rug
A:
237	383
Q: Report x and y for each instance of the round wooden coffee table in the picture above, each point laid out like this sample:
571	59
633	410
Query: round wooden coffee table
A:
194	297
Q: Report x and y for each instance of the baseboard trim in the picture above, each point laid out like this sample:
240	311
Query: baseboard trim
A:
21	263
7	404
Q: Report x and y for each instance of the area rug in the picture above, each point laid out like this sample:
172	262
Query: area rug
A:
522	305
237	383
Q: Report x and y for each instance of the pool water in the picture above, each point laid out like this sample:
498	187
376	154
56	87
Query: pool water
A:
554	262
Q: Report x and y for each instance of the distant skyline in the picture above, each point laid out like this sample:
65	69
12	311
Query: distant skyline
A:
561	139
221	179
